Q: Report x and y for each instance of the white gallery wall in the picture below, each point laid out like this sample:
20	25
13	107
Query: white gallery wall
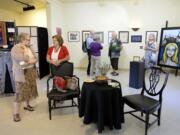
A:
112	15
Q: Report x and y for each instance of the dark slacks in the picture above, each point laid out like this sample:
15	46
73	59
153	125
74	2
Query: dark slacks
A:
89	61
114	63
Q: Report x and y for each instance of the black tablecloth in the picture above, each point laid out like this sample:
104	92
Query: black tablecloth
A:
102	104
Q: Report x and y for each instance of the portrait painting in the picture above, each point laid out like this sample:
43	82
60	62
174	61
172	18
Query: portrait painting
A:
169	55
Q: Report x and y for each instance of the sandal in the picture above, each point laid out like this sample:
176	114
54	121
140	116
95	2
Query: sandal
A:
16	118
29	108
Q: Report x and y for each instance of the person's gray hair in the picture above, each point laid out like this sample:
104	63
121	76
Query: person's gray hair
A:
21	37
96	37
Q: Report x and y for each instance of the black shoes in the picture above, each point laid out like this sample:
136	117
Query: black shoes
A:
29	108
114	73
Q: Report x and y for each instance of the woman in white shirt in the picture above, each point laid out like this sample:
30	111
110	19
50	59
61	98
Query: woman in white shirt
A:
24	73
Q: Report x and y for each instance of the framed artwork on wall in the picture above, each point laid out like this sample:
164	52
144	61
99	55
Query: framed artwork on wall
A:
124	36
100	35
155	33
136	38
3	40
85	34
74	36
110	36
169	48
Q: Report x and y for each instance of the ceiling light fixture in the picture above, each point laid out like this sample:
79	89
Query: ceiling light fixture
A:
135	28
28	6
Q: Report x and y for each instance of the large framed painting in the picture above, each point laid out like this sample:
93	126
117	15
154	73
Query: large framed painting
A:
124	36
169	55
3	40
74	36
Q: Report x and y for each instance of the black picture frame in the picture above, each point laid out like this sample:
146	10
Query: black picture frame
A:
169	48
136	38
85	35
124	36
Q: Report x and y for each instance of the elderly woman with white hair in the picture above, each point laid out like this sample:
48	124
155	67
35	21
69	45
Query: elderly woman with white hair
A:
24	73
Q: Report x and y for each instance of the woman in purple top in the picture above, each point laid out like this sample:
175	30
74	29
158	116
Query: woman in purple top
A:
95	48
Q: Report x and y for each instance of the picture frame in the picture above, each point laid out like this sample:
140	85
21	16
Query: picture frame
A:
73	36
151	32
124	36
110	36
169	48
85	35
136	38
3	39
100	34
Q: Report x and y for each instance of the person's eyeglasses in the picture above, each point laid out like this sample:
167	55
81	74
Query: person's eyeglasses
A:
28	40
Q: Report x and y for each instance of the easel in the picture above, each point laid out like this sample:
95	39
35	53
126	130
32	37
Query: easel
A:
176	72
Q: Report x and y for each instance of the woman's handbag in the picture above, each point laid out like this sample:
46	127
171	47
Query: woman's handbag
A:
59	83
71	83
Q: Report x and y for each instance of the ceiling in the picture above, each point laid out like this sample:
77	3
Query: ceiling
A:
18	7
14	6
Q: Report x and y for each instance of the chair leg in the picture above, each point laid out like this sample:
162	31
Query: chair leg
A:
54	103
78	101
72	101
141	114
49	105
147	123
159	116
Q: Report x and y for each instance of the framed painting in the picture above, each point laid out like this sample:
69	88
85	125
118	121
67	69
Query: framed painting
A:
136	38
85	35
74	36
169	48
110	36
3	40
100	35
124	36
154	33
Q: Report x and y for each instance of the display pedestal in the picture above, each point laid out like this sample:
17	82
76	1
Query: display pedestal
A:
136	74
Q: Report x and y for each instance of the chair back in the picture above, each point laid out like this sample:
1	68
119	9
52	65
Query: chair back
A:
64	69
155	80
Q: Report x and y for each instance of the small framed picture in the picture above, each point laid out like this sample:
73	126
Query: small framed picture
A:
124	36
100	36
136	38
74	36
85	35
155	33
110	36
